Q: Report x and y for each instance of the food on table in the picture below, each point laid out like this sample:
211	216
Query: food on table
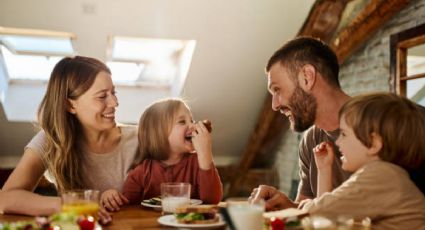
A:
208	125
61	221
286	219
197	214
153	201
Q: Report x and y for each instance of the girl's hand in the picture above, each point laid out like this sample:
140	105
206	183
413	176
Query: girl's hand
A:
105	217
202	143
324	155
111	200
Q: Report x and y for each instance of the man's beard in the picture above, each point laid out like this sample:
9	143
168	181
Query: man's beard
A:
303	109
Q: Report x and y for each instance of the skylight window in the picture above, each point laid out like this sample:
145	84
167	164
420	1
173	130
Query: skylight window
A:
32	54
28	67
158	60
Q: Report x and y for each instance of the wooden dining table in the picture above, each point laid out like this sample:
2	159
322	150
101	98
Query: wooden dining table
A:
131	217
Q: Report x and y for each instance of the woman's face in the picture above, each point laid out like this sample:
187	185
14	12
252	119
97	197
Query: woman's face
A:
95	109
179	138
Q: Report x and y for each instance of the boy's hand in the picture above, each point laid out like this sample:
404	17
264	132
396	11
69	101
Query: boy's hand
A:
111	200
324	155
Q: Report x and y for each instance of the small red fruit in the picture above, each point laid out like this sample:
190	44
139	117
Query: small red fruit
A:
277	224
86	223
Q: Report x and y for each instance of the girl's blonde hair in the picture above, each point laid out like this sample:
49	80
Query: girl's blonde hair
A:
399	122
70	78
155	126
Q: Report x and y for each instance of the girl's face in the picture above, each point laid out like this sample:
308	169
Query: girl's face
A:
95	109
354	153
179	138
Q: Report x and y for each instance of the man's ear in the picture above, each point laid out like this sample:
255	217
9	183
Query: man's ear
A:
70	106
376	146
307	77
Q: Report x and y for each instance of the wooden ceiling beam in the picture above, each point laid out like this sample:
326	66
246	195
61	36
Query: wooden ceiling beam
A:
367	22
323	19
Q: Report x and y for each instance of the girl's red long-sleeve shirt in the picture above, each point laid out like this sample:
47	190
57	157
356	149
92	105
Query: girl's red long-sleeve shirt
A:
144	181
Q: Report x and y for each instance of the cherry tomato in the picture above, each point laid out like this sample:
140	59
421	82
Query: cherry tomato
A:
86	223
277	224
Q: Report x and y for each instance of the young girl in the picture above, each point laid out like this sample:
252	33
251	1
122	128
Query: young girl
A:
380	136
168	139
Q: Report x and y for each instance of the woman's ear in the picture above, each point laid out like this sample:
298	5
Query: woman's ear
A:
376	146
70	107
308	77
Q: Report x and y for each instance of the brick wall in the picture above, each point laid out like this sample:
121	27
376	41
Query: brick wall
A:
367	70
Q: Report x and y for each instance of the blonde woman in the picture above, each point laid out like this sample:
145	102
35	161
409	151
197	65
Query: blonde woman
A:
80	145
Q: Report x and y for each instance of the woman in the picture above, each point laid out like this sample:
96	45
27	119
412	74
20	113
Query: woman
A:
80	145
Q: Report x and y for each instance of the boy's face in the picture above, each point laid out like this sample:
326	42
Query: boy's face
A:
181	131
354	153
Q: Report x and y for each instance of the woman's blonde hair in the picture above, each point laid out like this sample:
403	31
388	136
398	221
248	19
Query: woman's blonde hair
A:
155	126
399	122
70	78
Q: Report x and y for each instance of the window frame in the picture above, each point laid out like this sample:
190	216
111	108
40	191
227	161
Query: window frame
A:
399	44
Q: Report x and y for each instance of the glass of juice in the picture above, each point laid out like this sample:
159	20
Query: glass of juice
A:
81	202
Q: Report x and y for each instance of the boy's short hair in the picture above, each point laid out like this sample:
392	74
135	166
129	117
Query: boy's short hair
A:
398	121
155	126
307	50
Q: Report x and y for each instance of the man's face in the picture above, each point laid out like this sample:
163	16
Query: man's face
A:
290	99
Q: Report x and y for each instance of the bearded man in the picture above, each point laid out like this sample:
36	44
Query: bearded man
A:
303	80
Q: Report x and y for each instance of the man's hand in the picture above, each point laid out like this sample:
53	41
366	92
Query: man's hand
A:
274	199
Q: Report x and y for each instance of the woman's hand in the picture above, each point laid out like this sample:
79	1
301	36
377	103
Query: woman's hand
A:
111	200
324	155
201	139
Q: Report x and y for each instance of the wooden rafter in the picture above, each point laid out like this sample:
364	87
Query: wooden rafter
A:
323	19
374	15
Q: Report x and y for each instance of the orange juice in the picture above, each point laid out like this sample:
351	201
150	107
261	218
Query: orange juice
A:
82	208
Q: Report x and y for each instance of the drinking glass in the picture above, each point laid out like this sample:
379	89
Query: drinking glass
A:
174	195
246	215
81	202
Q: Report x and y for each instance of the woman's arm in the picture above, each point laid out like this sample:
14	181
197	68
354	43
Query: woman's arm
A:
17	194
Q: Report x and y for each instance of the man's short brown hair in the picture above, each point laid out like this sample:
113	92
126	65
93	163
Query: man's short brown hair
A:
307	50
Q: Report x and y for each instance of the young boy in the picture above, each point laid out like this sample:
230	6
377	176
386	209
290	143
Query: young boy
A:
380	138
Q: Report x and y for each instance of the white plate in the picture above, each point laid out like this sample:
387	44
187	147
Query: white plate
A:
192	202
170	220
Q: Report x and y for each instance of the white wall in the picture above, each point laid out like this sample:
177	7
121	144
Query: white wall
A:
226	81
